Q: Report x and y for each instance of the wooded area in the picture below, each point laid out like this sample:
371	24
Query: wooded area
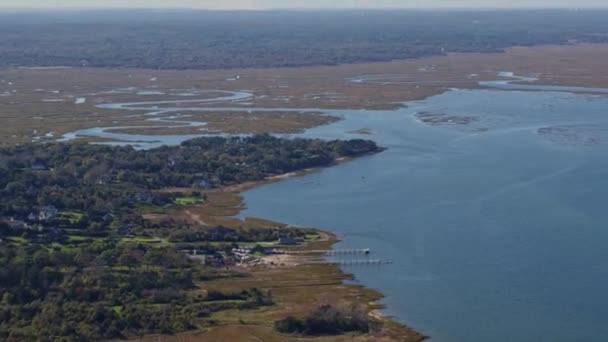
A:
209	40
79	262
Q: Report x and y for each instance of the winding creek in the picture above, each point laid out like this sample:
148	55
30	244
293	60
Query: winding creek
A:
495	226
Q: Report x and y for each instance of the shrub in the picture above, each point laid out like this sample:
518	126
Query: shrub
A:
326	320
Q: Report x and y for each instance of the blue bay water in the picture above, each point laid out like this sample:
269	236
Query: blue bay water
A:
497	229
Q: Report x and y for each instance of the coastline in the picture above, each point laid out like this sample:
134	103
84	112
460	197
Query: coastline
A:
318	275
297	288
298	281
367	297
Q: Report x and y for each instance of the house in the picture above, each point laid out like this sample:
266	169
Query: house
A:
108	217
47	213
103	180
49	235
17	224
216	261
201	184
32	217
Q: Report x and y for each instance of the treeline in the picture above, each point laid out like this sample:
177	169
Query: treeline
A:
185	234
92	292
97	180
78	262
210	40
103	290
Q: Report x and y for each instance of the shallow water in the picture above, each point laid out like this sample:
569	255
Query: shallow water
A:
496	228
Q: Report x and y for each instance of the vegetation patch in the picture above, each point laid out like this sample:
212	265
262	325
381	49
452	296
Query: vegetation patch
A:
79	262
250	39
326	320
71	216
187	200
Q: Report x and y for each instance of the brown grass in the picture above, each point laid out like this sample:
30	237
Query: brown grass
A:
240	122
311	87
296	291
297	286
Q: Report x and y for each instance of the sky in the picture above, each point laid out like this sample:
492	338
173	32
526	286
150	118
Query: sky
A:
317	4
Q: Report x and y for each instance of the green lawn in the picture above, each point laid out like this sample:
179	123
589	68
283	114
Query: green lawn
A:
17	240
312	237
118	309
187	200
147	240
78	238
72	216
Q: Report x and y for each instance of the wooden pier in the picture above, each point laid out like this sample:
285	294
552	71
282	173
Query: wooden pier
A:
362	262
365	251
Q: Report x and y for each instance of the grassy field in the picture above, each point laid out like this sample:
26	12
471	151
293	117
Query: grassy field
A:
297	289
44	103
187	200
240	122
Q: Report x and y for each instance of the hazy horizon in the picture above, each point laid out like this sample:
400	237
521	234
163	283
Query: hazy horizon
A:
299	4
